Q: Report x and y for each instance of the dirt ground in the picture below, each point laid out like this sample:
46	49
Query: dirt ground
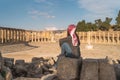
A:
28	51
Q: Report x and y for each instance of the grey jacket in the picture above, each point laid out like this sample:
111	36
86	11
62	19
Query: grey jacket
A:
75	49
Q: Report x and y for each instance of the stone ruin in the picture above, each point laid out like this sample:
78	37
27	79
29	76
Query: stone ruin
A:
67	69
37	69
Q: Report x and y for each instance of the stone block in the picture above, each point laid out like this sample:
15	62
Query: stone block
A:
106	71
1	77
24	78
89	69
68	68
117	71
6	73
49	77
37	59
19	62
8	62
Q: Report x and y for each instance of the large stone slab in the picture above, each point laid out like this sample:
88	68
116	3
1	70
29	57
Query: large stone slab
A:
23	78
1	77
89	69
49	77
117	71
68	68
8	62
6	73
106	71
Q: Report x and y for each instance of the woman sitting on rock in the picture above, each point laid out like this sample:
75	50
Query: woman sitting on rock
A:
70	45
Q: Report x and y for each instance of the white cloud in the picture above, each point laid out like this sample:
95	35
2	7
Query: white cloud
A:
49	16
34	17
51	27
100	8
48	2
36	13
99	5
40	1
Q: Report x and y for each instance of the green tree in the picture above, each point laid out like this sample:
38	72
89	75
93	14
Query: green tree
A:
98	23
81	25
106	24
94	27
118	19
116	27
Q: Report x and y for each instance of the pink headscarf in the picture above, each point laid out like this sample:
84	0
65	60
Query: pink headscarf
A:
71	31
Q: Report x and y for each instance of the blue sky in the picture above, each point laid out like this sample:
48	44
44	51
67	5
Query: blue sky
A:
54	14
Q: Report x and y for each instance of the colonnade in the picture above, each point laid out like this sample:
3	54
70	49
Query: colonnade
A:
41	36
13	35
9	35
100	37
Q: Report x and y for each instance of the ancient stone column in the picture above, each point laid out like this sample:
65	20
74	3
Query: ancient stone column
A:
40	37
108	37
35	36
52	37
83	40
32	36
88	37
8	33
13	35
95	37
118	38
24	36
20	35
103	37
99	37
113	37
17	35
2	36
45	36
91	36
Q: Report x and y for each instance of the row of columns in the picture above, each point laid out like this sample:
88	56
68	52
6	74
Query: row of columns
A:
8	35
100	37
85	37
41	36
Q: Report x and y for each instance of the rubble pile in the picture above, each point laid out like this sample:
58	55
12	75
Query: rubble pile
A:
37	68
